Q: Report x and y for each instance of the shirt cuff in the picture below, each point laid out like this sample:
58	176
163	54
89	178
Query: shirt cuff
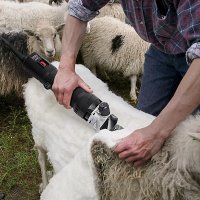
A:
76	9
193	52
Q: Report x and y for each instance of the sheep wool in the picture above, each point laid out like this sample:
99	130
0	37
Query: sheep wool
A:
113	10
60	132
27	15
12	74
172	174
114	46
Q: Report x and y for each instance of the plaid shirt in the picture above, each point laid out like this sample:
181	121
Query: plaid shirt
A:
175	32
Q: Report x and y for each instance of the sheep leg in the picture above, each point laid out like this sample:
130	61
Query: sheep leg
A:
42	162
133	88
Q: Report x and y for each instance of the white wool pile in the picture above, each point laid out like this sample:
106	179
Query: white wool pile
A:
60	131
77	180
172	174
163	178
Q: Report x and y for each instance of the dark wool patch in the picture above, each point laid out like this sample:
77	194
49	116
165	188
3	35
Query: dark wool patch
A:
7	58
117	42
16	39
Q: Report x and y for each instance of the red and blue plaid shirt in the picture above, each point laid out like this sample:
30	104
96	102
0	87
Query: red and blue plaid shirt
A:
174	32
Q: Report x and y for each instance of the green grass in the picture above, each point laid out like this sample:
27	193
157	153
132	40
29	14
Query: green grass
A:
19	170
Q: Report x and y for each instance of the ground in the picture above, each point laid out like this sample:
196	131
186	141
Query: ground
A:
19	170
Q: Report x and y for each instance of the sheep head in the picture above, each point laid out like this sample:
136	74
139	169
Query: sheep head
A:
45	40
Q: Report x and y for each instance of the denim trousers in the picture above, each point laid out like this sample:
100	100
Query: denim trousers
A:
162	75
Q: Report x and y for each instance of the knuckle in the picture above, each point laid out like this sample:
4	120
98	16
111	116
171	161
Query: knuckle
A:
67	90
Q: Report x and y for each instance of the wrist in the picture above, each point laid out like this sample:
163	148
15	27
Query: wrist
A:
67	63
162	128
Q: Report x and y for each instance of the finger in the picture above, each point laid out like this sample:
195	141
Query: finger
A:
86	87
60	97
142	161
132	159
120	148
125	154
67	100
55	91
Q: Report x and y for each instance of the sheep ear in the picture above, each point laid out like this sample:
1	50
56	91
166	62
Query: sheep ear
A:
29	32
60	27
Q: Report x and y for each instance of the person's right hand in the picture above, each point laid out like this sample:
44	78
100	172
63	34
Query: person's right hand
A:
64	84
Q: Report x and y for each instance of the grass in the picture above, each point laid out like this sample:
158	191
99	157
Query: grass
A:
19	170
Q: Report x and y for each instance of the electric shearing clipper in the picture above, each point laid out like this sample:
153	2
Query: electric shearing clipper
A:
86	105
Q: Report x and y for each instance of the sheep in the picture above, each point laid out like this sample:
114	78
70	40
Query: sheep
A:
50	2
63	136
45	41
114	46
112	9
28	15
60	132
172	174
41	21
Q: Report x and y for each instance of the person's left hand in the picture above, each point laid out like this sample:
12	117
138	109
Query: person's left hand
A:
140	146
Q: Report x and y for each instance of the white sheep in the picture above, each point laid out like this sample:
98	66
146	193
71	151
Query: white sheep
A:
45	41
114	46
26	1
42	23
28	15
113	10
60	132
97	173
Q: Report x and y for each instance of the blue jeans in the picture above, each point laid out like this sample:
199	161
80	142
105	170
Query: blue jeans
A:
162	75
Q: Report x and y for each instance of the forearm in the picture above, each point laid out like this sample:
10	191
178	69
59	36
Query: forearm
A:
71	41
183	103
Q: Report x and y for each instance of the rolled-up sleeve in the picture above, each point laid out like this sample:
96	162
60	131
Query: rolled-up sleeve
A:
85	10
189	26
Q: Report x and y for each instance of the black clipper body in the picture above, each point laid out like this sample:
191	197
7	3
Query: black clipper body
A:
86	105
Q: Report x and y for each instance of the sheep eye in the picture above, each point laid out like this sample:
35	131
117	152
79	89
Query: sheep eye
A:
38	38
54	36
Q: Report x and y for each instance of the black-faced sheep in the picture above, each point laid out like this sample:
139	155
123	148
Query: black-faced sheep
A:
114	46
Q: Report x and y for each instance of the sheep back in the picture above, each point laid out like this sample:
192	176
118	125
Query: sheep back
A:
172	174
27	15
113	10
113	45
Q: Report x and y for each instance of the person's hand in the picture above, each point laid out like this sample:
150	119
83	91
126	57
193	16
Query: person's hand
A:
64	84
140	146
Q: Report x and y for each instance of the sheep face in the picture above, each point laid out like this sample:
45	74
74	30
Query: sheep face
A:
46	40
